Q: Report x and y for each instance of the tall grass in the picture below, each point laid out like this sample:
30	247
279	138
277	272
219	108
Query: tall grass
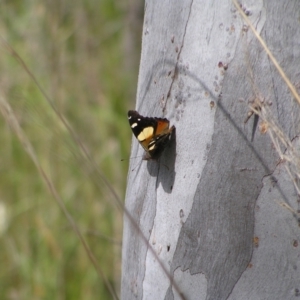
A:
78	52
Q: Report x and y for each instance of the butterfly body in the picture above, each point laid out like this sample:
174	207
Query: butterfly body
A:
152	133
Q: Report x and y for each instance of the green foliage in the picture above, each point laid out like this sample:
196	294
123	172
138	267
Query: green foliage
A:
75	50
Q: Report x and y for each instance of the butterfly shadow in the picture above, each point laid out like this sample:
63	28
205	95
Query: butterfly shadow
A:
164	167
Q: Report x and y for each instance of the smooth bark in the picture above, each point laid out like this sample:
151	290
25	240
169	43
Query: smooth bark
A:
209	208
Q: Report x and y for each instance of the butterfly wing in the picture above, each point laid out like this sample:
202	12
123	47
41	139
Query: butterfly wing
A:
159	143
152	133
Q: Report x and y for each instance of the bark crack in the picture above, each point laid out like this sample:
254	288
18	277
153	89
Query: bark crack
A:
178	56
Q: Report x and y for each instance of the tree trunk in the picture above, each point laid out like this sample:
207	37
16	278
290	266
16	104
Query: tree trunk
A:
209	207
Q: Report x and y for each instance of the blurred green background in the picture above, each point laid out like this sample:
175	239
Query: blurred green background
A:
85	55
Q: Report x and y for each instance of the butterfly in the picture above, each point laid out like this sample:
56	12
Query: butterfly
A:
153	134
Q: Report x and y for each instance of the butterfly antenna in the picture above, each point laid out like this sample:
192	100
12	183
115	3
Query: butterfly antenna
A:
124	159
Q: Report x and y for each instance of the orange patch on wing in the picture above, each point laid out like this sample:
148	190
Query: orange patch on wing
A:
162	126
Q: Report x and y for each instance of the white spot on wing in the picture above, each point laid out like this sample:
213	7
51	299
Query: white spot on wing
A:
134	125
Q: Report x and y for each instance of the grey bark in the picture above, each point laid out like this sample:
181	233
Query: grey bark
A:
212	215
